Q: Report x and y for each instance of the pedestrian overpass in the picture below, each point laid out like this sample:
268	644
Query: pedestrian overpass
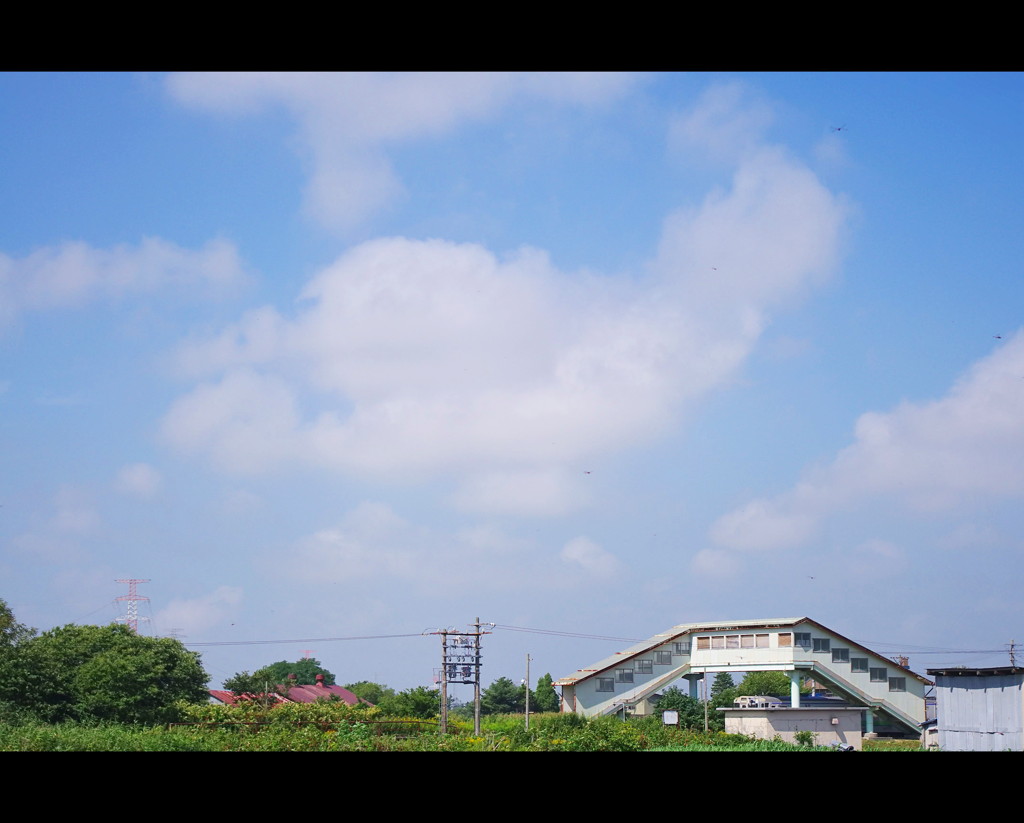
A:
803	648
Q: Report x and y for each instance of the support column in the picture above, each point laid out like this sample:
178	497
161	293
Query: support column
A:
692	680
794	688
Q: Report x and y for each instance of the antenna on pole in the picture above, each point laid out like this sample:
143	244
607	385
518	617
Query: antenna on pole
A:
133	598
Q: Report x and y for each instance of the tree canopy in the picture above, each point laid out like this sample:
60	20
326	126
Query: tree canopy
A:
11	631
416	702
270	677
723	681
373	692
545	699
305	671
502	697
101	673
690	709
770	683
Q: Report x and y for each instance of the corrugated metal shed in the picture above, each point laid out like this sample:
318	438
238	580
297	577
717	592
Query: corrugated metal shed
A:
980	709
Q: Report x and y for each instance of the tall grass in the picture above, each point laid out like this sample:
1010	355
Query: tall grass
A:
332	728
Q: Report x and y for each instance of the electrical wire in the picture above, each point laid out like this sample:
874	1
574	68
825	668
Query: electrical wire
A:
301	640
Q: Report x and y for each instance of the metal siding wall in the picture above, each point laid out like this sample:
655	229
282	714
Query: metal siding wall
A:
980	713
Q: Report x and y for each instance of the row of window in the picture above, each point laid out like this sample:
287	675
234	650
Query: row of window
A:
607	684
755	641
733	641
857	664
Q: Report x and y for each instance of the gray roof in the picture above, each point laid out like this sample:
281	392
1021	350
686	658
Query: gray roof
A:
723	625
971	671
670	635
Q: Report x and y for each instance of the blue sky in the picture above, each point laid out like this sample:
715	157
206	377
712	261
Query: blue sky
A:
334	360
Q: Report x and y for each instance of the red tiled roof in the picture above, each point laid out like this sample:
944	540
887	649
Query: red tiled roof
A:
295	694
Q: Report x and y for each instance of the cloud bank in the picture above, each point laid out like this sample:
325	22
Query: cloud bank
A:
411	359
940	457
347	122
75	274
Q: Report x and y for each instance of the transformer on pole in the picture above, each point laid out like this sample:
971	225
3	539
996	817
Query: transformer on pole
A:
461	662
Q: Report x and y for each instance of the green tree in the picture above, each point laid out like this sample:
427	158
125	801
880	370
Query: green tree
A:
259	686
102	673
545	699
723	693
12	635
11	631
690	709
723	681
769	683
373	692
502	697
305	671
416	702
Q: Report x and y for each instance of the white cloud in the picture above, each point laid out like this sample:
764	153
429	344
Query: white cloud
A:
874	559
371	543
542	492
74	274
588	555
189	617
935	457
58	539
726	122
715	563
347	121
410	359
138	480
760	525
75	512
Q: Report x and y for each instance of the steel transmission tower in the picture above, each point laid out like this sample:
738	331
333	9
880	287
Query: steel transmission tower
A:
132	598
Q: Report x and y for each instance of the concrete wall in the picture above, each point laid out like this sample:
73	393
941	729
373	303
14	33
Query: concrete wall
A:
829	726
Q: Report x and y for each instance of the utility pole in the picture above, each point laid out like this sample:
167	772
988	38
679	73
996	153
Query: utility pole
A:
444	684
1013	659
527	691
476	684
704	682
461	663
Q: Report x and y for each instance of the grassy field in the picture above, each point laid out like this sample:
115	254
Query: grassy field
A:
332	727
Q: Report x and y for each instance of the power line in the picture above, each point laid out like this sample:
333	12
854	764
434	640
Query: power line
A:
302	640
877	646
555	633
